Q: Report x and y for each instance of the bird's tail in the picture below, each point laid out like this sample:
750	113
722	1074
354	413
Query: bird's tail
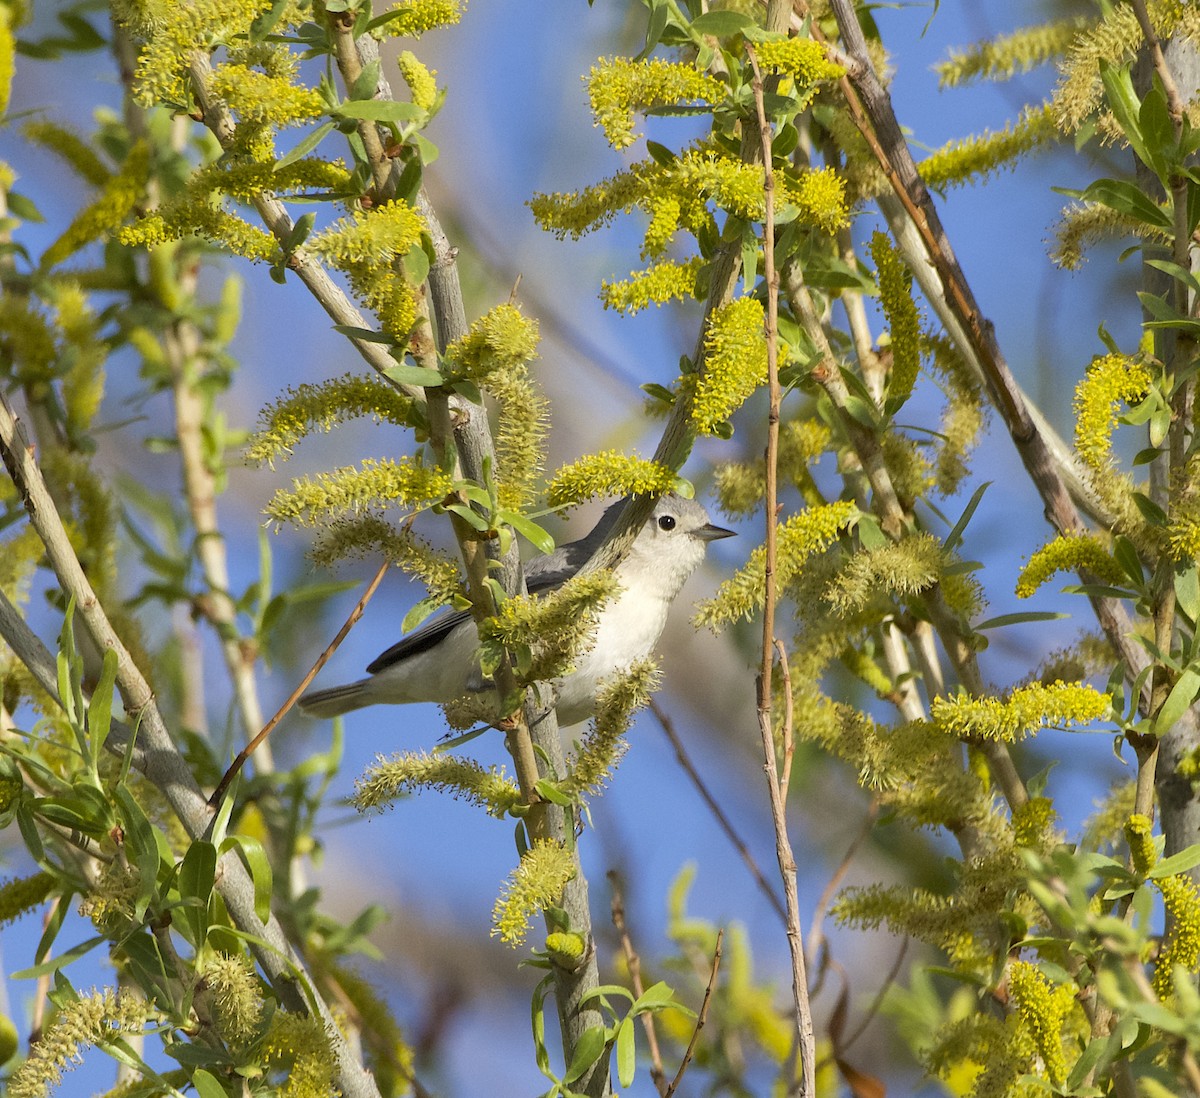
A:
337	700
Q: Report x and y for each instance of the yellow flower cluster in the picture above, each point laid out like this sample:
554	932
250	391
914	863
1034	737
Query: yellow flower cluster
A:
378	235
308	408
735	363
665	213
412	18
1111	380
975	157
104	216
536	884
234	995
1026	710
204	219
1042	1010
608	473
1004	56
904	322
656	285
298	1045
904	568
401	775
23	893
174	33
545	634
800	537
602	748
1069	552
101	1016
801	58
420	80
820	196
265	100
406	481
498	341
617	87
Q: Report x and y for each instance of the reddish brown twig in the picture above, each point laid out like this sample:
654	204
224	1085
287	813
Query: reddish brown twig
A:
701	1018
322	659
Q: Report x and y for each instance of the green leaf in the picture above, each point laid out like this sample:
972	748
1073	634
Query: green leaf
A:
257	863
529	530
548	791
419	613
100	707
304	146
588	1049
656	997
626	1052
1018	618
1125	198
955	536
379	110
63	959
404	374
1179	700
721	24
1176	863
1150	510
195	884
365	335
206	1085
367	82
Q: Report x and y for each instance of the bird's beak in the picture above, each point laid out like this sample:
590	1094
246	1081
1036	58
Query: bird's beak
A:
709	532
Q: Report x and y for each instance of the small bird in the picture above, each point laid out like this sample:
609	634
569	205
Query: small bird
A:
439	662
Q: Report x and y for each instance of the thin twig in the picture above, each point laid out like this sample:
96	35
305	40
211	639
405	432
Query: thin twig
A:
635	978
321	660
805	1041
869	1016
702	1017
719	814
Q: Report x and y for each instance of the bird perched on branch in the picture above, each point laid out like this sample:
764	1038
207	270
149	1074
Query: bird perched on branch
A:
439	662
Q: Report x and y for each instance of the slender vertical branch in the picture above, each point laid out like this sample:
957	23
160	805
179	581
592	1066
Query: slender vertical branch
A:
806	1044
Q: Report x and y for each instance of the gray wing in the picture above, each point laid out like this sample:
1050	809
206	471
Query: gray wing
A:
542	574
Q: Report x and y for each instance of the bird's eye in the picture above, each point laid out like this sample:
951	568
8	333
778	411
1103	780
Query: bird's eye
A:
666	522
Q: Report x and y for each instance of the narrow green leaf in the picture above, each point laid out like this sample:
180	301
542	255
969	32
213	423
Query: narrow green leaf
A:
1018	618
206	1085
379	110
1176	863
548	791
955	535
100	708
195	883
304	146
1179	700
529	530
404	374
588	1049
626	1052
257	863
721	24
55	963
365	335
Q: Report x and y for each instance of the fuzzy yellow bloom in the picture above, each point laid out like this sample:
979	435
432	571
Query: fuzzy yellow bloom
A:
536	883
1111	380
798	538
18	896
299	1047
1005	55
389	779
820	195
420	80
656	285
608	473
378	235
8	53
664	223
801	58
308	408
973	158
412	18
256	97
69	147
500	339
1042	1010
1069	552
735	363
617	87
376	483
904	321
235	996
1026	710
